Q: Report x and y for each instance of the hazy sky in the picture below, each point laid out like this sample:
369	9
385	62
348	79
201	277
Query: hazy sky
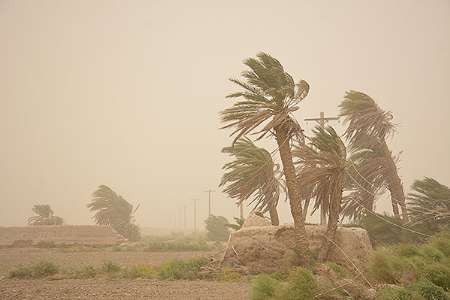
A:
127	93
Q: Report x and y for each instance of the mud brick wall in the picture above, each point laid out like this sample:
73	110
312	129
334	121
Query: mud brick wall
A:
65	234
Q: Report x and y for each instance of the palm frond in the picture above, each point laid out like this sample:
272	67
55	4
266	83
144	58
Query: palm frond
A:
364	118
251	175
429	202
268	98
321	167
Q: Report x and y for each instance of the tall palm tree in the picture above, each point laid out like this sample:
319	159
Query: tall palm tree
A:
254	175
368	128
113	210
366	180
322	170
44	216
266	102
429	203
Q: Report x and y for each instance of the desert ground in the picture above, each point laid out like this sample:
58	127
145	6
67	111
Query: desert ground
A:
56	288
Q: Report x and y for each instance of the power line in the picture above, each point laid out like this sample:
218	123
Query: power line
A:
383	219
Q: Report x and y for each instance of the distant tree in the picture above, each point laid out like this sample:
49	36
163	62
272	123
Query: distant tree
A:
113	210
253	176
216	227
429	204
238	223
368	128
44	216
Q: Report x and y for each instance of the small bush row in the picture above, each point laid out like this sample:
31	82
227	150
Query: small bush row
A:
413	271
171	270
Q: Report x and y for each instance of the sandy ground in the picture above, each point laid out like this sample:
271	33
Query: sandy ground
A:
108	288
10	258
121	289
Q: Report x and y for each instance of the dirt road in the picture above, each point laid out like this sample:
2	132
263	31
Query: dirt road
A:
121	289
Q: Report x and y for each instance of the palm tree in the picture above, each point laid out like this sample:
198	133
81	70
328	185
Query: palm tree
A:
429	203
366	180
266	101
252	174
113	210
321	168
44	216
368	128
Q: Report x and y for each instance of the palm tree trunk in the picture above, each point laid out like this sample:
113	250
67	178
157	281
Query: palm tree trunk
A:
282	137
305	208
274	216
333	219
395	185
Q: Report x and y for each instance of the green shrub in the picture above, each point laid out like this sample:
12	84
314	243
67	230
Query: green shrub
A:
45	244
110	267
429	290
431	253
382	232
441	241
177	245
439	274
301	285
397	293
407	250
145	272
39	270
85	272
229	274
216	228
182	269
385	267
338	269
21	273
264	287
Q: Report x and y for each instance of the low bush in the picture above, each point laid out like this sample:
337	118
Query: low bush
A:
301	285
84	272
177	245
110	267
229	274
182	269
429	291
386	267
264	287
439	274
397	293
39	270
144	272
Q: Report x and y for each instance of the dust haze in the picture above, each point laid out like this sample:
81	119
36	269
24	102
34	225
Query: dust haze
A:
127	93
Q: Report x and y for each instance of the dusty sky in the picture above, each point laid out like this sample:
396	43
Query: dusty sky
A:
127	93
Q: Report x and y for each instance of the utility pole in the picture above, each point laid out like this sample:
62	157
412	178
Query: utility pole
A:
184	219
322	121
209	200
195	215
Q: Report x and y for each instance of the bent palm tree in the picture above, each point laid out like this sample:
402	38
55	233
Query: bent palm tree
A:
322	169
113	210
252	174
366	180
368	128
268	98
44	216
429	203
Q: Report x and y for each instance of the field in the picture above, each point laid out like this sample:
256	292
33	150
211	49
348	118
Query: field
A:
107	288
